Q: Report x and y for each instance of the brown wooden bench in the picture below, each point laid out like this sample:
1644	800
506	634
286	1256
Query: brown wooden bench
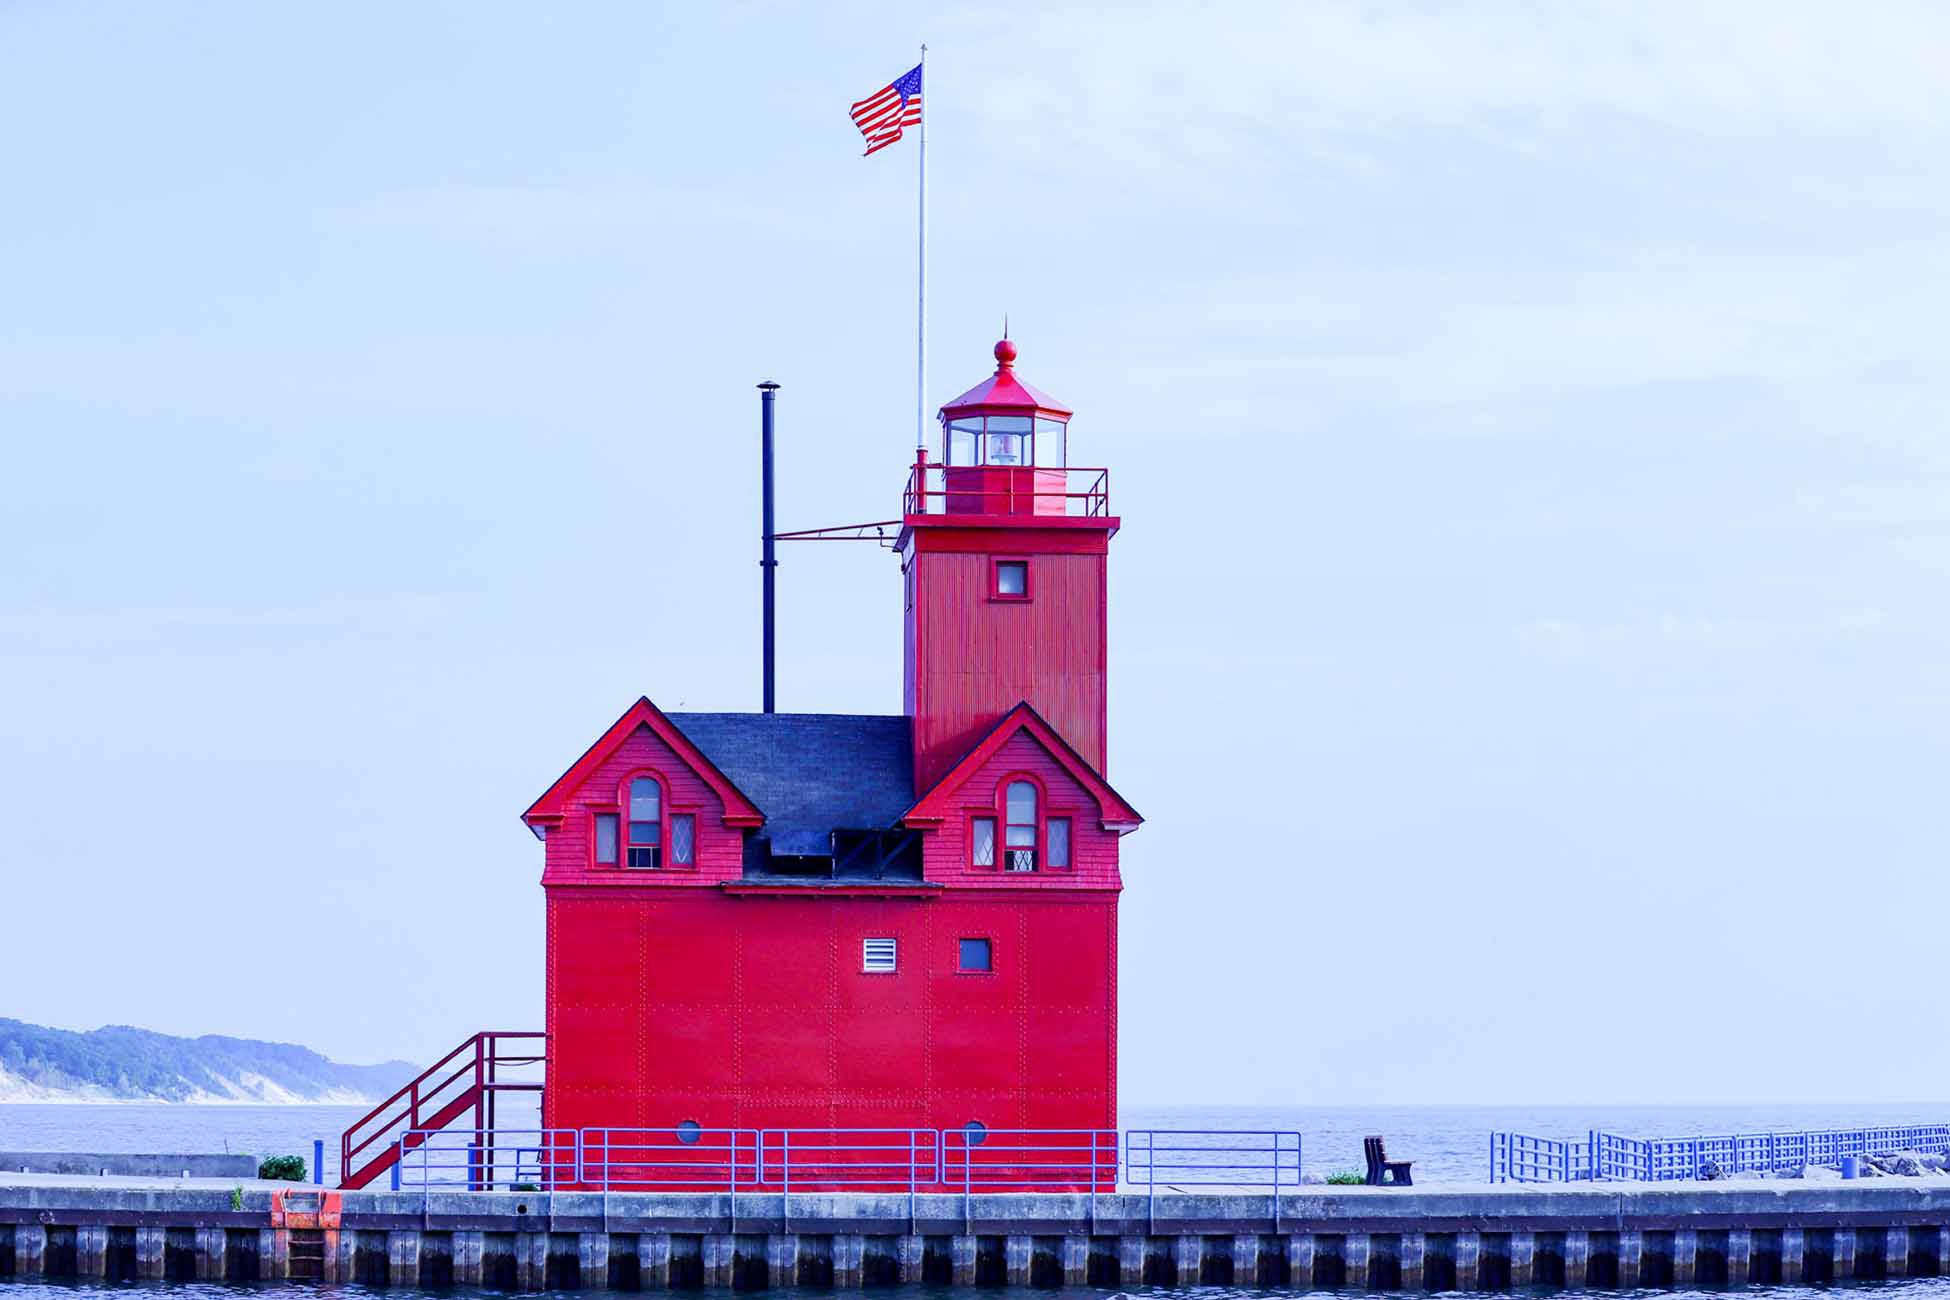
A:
1383	1172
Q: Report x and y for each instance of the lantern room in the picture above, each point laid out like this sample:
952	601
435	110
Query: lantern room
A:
1005	446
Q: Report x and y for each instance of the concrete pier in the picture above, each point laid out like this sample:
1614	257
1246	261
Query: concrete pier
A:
1740	1256
1631	1256
1300	1261
1895	1252
1245	1259
1414	1240
1685	1257
1523	1259
1469	1260
1409	1261
1841	1254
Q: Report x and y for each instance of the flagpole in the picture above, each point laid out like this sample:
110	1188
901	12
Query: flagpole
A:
921	314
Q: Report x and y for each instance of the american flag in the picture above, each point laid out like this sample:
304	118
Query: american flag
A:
881	115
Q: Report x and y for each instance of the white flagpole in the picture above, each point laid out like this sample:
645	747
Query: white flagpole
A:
921	327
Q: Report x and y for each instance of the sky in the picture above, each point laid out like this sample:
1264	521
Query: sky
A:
1527	638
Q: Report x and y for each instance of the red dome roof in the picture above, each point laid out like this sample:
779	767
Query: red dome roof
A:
1003	393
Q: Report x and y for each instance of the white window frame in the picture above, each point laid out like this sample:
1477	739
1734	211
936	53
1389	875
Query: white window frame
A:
879	956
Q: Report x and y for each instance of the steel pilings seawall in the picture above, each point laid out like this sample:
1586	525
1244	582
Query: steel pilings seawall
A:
1422	1239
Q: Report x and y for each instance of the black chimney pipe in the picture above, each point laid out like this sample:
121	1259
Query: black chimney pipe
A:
768	565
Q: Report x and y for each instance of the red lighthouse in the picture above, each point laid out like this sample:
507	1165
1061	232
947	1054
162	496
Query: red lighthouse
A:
825	921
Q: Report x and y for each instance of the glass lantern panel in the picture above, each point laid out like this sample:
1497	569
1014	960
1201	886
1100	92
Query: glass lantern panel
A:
1052	444
962	437
1008	441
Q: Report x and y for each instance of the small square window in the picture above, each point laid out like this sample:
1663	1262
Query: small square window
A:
975	955
878	956
1012	579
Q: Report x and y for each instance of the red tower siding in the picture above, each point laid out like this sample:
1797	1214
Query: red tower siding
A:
970	658
667	1005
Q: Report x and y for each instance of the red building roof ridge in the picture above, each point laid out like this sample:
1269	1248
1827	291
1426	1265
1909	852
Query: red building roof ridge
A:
739	810
1004	389
1117	812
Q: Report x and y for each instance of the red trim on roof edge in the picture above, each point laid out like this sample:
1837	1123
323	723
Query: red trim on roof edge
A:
931	808
739	810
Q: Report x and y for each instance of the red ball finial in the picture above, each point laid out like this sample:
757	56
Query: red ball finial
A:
1005	353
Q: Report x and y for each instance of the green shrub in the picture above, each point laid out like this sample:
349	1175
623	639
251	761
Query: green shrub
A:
290	1169
1347	1178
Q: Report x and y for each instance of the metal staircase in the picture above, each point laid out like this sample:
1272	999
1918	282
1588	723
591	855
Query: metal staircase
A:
467	1079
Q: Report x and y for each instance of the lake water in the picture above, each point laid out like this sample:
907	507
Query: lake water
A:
1447	1143
1911	1289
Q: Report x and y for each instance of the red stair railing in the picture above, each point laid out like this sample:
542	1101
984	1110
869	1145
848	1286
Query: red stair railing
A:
469	1078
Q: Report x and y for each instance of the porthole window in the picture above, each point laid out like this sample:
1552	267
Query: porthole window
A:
975	1132
689	1132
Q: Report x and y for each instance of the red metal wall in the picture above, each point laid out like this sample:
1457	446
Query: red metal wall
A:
971	658
667	1005
672	996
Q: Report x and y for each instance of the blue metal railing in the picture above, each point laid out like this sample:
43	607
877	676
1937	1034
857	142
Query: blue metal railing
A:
976	1159
487	1160
1523	1158
848	1159
648	1159
1234	1158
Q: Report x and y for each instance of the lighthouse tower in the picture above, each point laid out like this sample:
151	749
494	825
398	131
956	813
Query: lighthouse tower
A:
1003	549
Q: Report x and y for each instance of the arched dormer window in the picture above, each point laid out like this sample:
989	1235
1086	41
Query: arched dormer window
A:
1019	829
1030	839
642	831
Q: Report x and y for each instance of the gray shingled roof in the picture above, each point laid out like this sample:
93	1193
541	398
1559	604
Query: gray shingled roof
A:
811	773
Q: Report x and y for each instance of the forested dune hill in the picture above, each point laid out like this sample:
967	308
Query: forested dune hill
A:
121	1063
